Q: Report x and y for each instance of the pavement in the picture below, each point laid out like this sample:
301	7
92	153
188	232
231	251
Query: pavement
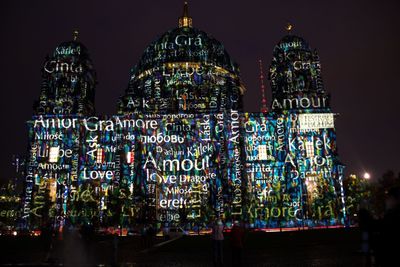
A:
322	247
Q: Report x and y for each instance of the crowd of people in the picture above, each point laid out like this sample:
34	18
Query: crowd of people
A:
79	239
237	237
70	239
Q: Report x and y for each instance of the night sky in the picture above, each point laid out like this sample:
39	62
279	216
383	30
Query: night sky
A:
358	44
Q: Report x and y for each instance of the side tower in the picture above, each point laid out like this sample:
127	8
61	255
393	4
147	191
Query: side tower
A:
295	75
308	143
68	82
56	134
294	176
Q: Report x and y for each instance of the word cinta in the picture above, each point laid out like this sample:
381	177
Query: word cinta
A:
58	66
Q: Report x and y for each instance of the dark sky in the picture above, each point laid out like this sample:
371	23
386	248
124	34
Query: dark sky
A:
358	43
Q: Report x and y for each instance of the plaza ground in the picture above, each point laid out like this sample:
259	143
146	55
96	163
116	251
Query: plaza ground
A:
323	247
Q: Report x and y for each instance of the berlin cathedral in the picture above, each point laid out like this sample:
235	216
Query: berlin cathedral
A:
181	150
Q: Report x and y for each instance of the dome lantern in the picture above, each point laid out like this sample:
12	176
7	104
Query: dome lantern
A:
185	20
289	28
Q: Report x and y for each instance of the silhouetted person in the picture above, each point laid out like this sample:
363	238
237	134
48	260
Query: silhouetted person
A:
143	237
217	236
237	242
87	233
166	231
387	250
365	223
46	237
150	236
115	250
73	245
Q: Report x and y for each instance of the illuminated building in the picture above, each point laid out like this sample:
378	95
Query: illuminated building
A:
181	149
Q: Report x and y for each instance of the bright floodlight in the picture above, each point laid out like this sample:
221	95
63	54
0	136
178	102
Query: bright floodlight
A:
367	175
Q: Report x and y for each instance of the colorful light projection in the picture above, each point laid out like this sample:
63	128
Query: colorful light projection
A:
154	168
52	167
291	172
180	161
181	150
184	168
68	81
184	71
295	75
10	205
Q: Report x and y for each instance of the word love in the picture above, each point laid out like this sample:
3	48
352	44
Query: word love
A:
94	175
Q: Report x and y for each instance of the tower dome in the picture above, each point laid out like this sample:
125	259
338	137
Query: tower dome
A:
295	76
184	70
68	81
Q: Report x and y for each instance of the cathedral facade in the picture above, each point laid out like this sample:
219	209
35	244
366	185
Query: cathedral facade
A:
180	149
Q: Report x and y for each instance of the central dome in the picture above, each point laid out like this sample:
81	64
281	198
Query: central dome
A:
183	71
186	44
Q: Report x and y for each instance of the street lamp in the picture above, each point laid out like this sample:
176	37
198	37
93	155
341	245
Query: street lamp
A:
366	175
